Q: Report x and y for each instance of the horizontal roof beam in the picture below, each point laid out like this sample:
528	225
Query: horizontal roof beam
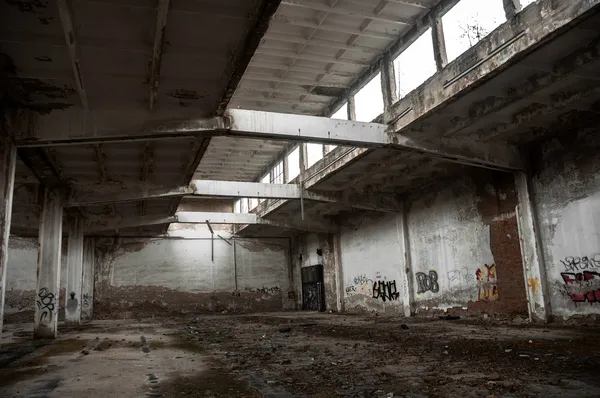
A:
275	126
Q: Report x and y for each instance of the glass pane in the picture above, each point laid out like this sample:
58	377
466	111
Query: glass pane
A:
314	153
293	161
277	174
416	64
369	100
342	113
468	22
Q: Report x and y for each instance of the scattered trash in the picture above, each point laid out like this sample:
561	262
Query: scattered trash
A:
285	329
523	355
530	341
404	326
508	350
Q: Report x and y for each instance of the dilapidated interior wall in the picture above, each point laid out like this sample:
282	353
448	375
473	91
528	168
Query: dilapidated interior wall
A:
136	276
464	246
21	279
371	259
316	249
566	187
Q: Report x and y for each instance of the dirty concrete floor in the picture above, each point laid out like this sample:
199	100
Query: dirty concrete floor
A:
302	355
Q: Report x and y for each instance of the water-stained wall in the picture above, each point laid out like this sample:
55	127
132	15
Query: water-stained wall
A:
145	276
566	185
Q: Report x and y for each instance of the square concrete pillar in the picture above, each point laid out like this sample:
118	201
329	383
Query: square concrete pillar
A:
48	271
87	287
534	268
8	158
73	296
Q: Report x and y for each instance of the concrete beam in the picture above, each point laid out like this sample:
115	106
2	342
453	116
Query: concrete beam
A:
116	223
66	19
48	270
301	128
8	158
157	50
204	217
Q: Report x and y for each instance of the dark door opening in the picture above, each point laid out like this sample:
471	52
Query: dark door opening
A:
313	295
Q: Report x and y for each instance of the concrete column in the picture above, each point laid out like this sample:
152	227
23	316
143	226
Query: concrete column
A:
339	272
406	272
73	298
87	286
8	158
48	271
351	108
533	261
389	89
511	8
439	42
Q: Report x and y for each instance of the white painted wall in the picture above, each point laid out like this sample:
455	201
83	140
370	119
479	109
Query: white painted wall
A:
370	254
567	197
185	265
449	242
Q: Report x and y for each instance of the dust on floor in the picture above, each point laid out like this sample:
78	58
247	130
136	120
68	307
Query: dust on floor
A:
302	355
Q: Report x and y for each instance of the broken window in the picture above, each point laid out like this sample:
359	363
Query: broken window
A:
265	180
314	153
341	113
252	203
293	161
525	3
468	22
369	100
415	64
277	174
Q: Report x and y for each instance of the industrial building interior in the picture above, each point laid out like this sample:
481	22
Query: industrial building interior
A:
299	198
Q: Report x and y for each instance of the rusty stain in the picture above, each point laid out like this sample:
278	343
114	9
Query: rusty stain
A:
534	284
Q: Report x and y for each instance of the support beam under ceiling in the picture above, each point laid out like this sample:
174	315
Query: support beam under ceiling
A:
162	14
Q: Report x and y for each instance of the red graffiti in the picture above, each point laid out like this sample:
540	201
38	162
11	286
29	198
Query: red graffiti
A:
583	286
486	283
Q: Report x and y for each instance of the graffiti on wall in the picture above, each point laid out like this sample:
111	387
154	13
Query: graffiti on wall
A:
361	284
581	263
45	302
460	277
380	289
87	301
486	283
427	282
582	286
385	290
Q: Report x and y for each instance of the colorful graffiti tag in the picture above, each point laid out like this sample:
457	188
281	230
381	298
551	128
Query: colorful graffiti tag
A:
486	283
582	286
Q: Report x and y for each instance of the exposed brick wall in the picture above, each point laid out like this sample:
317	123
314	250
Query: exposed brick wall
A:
498	199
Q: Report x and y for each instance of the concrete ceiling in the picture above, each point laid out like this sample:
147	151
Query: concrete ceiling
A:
181	58
553	91
315	49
